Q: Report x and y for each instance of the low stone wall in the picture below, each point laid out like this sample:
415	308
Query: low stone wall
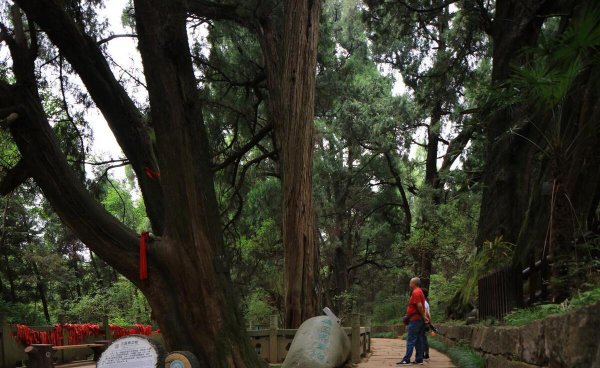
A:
571	340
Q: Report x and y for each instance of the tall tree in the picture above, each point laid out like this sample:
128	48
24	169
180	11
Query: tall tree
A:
290	53
541	178
431	43
288	37
188	287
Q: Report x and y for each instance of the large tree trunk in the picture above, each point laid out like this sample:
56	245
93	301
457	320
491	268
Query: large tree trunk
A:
188	285
425	255
540	199
9	273
506	178
290	56
194	299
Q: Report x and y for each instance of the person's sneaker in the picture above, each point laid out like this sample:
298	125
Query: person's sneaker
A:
420	363
404	362
426	357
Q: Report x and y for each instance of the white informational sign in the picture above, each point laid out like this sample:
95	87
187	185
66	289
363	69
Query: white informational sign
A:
129	352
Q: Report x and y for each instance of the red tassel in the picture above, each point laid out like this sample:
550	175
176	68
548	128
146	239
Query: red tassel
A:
143	261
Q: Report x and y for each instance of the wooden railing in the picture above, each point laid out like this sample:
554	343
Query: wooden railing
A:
271	344
502	291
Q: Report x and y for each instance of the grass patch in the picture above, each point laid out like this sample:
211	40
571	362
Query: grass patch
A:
385	335
462	356
524	316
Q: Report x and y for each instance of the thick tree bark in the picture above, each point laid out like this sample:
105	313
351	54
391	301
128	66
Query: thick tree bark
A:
506	179
289	47
540	199
201	314
290	57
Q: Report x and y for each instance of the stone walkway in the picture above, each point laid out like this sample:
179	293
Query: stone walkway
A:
387	352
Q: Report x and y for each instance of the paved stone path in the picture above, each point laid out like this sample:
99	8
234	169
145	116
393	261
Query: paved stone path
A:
387	352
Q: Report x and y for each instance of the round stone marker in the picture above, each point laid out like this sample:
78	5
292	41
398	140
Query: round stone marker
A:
134	351
181	359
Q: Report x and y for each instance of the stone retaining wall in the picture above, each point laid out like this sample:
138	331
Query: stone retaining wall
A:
571	340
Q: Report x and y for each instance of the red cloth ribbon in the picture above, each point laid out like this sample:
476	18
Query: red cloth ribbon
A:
151	173
137	329
77	333
144	236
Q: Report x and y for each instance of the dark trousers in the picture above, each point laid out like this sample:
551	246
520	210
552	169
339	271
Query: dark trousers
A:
415	331
425	343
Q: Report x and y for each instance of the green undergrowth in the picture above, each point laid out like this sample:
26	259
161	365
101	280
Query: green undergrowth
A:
462	356
524	316
385	335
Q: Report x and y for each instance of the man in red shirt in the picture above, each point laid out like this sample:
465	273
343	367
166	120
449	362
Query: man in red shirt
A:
416	323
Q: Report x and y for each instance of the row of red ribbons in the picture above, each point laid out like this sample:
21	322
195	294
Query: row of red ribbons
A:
76	333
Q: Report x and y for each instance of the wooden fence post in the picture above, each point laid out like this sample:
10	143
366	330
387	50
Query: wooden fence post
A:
106	327
355	338
273	345
5	336
39	356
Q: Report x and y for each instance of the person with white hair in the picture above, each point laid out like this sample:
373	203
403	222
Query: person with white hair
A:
415	320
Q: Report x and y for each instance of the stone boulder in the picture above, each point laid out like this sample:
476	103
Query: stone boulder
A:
319	343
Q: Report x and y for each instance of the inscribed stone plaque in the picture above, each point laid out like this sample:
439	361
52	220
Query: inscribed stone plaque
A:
134	351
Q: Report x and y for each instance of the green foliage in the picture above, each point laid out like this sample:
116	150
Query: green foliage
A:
522	317
558	61
388	311
441	292
119	201
23	313
385	335
258	311
491	256
121	302
462	356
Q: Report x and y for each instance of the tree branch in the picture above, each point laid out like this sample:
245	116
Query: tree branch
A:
245	148
46	163
405	204
215	11
14	177
426	10
112	37
455	148
124	119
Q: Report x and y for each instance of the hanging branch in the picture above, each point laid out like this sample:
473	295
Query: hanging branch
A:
427	10
66	107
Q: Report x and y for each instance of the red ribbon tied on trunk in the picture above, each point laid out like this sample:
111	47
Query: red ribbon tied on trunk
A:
152	174
144	236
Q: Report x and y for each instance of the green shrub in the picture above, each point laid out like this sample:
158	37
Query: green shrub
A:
258	311
524	316
441	292
385	335
23	313
121	302
388	311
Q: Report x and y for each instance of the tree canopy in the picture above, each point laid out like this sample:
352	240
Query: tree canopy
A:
287	156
